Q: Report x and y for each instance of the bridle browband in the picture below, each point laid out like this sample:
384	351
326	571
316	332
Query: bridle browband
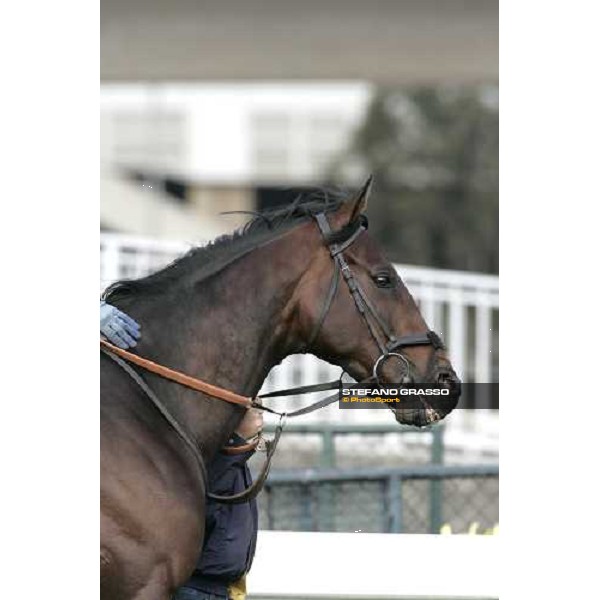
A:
388	347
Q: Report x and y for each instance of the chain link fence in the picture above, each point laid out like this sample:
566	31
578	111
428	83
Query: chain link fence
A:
408	500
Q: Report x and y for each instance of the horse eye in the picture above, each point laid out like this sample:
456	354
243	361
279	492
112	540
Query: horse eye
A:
382	280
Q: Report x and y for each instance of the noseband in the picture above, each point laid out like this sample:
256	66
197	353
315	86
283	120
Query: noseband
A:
389	344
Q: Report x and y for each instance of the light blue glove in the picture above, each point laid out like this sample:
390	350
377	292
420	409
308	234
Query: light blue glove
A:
117	327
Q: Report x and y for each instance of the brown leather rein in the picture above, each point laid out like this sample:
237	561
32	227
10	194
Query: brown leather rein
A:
224	394
123	357
192	383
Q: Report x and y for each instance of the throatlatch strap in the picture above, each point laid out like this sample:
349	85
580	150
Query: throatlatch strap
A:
326	305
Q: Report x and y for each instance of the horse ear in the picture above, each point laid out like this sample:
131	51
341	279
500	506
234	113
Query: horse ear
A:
358	204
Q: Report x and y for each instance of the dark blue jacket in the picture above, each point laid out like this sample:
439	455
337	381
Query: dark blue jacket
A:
230	537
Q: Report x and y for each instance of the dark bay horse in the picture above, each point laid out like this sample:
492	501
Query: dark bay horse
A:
227	313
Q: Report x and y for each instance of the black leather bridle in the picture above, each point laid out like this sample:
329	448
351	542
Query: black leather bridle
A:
388	343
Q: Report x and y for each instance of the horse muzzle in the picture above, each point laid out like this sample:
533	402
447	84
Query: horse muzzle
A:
424	410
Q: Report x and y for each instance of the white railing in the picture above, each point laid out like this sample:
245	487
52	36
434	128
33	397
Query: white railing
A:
462	306
127	256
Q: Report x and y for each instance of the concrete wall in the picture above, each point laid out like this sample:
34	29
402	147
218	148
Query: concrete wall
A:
399	41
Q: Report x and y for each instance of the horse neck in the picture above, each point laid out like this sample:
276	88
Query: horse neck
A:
229	330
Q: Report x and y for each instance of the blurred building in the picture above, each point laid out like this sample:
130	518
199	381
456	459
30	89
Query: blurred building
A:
201	133
174	156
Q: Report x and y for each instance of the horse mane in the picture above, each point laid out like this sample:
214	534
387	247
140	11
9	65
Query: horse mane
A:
208	259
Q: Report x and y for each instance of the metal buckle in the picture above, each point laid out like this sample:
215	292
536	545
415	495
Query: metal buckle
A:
282	420
262	444
382	358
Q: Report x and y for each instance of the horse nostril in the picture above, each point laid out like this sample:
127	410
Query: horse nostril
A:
407	380
447	379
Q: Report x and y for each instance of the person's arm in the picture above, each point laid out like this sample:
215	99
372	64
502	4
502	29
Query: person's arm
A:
251	424
227	473
222	474
117	327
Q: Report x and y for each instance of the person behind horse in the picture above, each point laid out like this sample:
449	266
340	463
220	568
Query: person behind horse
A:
230	536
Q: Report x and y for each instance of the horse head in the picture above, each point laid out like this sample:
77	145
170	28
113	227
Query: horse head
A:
355	311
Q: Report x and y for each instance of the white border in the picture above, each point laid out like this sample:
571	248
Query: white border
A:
48	301
548	247
549	199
